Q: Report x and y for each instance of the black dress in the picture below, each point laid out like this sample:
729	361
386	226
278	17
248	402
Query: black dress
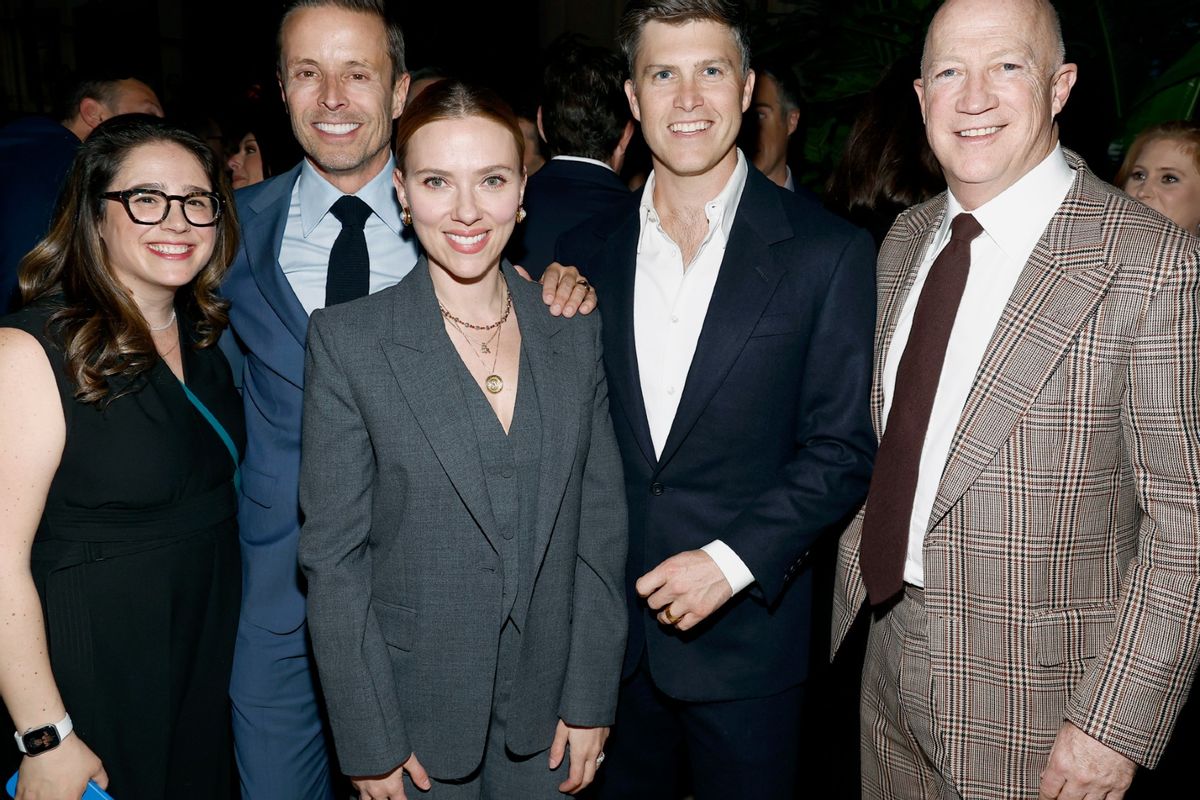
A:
136	562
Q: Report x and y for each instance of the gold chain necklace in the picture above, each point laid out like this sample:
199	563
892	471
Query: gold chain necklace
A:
493	383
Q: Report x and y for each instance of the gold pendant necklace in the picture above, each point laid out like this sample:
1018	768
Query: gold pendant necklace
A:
493	383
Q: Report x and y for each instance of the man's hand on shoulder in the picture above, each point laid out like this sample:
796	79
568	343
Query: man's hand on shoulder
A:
1083	767
564	290
685	589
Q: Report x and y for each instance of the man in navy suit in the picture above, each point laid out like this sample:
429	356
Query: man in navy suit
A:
584	120
737	339
341	69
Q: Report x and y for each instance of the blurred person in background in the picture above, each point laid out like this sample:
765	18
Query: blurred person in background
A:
586	125
35	154
887	165
259	143
1162	169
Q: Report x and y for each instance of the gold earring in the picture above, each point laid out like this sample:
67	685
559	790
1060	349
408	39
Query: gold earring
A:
405	216
521	214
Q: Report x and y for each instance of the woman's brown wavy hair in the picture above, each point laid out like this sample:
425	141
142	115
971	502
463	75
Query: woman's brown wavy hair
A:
103	333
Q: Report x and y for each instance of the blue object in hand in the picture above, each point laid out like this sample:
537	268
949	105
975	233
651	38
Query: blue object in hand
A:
92	792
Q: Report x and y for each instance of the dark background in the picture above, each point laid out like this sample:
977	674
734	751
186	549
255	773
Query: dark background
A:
202	55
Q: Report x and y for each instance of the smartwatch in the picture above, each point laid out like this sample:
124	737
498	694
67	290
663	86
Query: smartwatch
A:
36	741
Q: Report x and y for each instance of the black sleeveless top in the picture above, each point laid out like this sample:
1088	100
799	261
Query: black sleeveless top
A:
136	563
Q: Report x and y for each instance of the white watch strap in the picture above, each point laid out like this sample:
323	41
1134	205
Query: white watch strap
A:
64	727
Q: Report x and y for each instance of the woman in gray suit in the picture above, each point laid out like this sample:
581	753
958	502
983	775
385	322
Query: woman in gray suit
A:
465	528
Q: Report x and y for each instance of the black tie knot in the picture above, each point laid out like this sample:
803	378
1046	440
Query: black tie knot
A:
352	212
963	228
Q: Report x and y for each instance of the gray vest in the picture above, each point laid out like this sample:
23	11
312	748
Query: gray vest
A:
511	471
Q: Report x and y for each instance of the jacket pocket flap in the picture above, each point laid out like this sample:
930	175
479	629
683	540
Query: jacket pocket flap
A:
778	324
258	486
397	624
1071	634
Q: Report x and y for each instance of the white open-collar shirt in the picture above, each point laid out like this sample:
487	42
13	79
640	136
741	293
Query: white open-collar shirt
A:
670	302
1013	221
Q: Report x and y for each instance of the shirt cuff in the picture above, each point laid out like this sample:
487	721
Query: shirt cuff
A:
731	566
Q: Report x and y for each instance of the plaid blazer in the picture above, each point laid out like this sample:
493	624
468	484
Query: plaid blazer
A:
1062	555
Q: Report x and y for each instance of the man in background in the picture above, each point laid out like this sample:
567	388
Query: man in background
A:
775	113
36	154
584	120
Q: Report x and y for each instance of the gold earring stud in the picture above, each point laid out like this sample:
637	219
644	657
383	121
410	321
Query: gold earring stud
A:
521	214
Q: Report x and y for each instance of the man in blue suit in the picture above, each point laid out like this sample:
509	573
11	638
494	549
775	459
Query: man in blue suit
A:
585	123
341	69
737	339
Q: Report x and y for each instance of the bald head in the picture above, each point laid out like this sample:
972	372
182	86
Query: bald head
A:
992	83
1039	15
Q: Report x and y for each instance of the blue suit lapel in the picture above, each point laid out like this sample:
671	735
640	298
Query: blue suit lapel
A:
747	280
262	231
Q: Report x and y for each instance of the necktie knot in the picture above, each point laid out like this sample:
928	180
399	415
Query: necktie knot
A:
351	212
964	228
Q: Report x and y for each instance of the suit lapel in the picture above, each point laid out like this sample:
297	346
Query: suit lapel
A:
1060	287
618	270
747	279
263	233
546	346
424	363
900	259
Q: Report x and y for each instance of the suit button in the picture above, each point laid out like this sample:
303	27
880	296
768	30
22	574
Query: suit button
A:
507	533
506	471
657	489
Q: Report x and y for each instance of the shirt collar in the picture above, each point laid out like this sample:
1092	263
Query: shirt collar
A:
1015	218
585	161
789	184
719	211
318	195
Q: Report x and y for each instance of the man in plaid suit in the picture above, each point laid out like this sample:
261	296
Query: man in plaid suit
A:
1030	545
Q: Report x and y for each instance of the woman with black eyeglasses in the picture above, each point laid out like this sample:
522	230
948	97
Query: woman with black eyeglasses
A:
120	435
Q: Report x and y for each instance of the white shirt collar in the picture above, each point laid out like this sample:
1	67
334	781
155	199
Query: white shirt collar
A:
1016	218
719	211
789	184
318	195
585	161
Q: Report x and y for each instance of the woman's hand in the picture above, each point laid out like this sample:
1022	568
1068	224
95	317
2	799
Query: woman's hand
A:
391	785
61	773
587	746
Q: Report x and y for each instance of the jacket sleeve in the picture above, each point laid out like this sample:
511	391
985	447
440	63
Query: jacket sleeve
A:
1131	696
336	488
599	618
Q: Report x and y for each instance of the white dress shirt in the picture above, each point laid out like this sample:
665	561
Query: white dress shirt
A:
585	160
670	302
311	231
1012	223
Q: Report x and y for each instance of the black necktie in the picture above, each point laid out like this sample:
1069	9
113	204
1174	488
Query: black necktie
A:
894	482
349	275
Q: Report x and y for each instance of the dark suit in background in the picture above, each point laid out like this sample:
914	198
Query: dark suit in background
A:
35	156
770	450
558	197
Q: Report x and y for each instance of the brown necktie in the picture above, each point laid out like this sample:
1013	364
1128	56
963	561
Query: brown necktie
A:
894	482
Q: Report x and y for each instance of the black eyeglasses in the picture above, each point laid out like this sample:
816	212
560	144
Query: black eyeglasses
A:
150	206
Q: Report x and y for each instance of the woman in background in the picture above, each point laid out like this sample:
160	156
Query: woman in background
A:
1162	169
120	433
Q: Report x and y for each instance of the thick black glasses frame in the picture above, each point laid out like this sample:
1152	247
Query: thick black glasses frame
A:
123	198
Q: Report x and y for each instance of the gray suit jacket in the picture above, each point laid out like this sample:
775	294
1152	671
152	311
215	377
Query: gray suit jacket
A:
399	541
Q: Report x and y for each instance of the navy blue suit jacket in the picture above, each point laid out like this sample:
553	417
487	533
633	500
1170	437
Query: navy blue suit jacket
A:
559	196
771	447
271	326
35	156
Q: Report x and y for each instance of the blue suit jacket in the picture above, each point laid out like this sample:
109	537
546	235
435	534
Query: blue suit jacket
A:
271	326
771	447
